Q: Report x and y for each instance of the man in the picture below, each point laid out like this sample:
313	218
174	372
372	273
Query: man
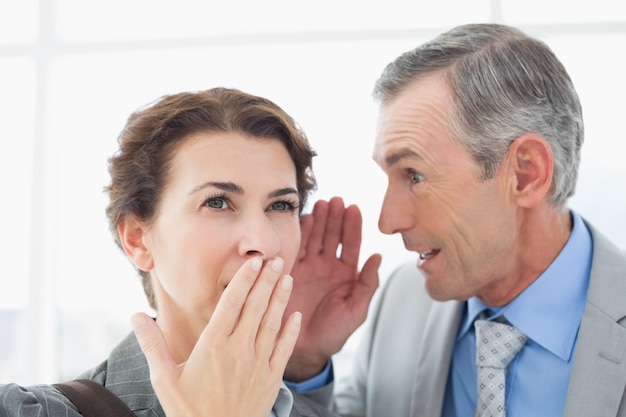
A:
479	133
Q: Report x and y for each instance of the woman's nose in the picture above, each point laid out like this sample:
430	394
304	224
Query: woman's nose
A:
259	238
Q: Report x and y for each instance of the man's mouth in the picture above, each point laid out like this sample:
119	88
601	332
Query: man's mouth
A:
426	255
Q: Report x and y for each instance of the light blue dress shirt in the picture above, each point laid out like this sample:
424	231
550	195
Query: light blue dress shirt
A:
323	378
549	312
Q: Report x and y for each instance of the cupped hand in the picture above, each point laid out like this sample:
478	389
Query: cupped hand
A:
237	364
329	290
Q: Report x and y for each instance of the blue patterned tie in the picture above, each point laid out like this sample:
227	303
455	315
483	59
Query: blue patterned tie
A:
496	346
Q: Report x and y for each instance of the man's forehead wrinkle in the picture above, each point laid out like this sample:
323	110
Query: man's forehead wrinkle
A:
409	122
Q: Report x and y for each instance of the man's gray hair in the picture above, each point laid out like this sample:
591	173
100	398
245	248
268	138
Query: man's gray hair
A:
505	84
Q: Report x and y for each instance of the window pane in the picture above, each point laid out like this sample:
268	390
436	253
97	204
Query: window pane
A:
562	11
18	21
148	19
17	83
597	65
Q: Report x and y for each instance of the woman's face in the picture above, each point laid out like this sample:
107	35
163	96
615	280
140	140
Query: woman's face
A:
228	197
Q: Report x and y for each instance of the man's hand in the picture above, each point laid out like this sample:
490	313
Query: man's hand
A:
329	290
237	365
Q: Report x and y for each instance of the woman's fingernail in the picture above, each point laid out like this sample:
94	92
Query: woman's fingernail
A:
277	264
256	264
286	283
297	317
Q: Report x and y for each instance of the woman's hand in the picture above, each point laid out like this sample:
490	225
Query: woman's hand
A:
237	365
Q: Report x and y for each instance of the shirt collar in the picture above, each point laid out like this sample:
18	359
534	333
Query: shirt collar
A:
549	311
283	404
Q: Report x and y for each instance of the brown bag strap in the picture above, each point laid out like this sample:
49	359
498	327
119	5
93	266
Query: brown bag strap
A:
93	400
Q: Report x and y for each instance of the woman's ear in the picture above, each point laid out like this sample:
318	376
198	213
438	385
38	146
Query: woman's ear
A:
133	234
532	160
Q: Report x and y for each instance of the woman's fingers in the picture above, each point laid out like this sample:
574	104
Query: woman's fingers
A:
242	345
286	343
264	303
230	305
252	306
151	341
261	317
163	368
272	320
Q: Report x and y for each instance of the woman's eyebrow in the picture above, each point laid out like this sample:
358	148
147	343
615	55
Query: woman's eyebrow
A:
224	186
282	191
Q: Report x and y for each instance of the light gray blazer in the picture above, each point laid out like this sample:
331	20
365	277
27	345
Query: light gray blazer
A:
401	366
126	374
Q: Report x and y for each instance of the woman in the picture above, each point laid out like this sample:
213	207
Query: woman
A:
205	198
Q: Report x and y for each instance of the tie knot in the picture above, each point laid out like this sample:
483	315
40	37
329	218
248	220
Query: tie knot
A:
497	343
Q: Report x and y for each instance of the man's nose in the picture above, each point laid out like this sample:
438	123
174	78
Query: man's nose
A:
395	213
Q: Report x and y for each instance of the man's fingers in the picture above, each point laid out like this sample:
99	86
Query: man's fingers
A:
334	226
306	227
351	235
320	215
367	285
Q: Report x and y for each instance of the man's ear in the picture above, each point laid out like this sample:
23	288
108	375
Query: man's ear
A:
133	235
532	161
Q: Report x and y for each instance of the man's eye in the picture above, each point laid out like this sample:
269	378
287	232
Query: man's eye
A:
416	177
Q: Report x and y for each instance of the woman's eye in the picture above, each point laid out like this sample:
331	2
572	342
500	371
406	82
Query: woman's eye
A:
416	177
216	203
283	206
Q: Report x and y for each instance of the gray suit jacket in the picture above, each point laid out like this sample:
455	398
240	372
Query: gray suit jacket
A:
126	374
401	367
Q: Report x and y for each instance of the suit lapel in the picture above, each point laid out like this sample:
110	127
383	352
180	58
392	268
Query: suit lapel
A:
128	376
599	371
598	379
435	355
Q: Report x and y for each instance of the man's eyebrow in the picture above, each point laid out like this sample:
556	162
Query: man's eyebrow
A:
396	157
224	186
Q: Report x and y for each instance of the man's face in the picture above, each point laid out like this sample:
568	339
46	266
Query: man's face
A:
463	228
